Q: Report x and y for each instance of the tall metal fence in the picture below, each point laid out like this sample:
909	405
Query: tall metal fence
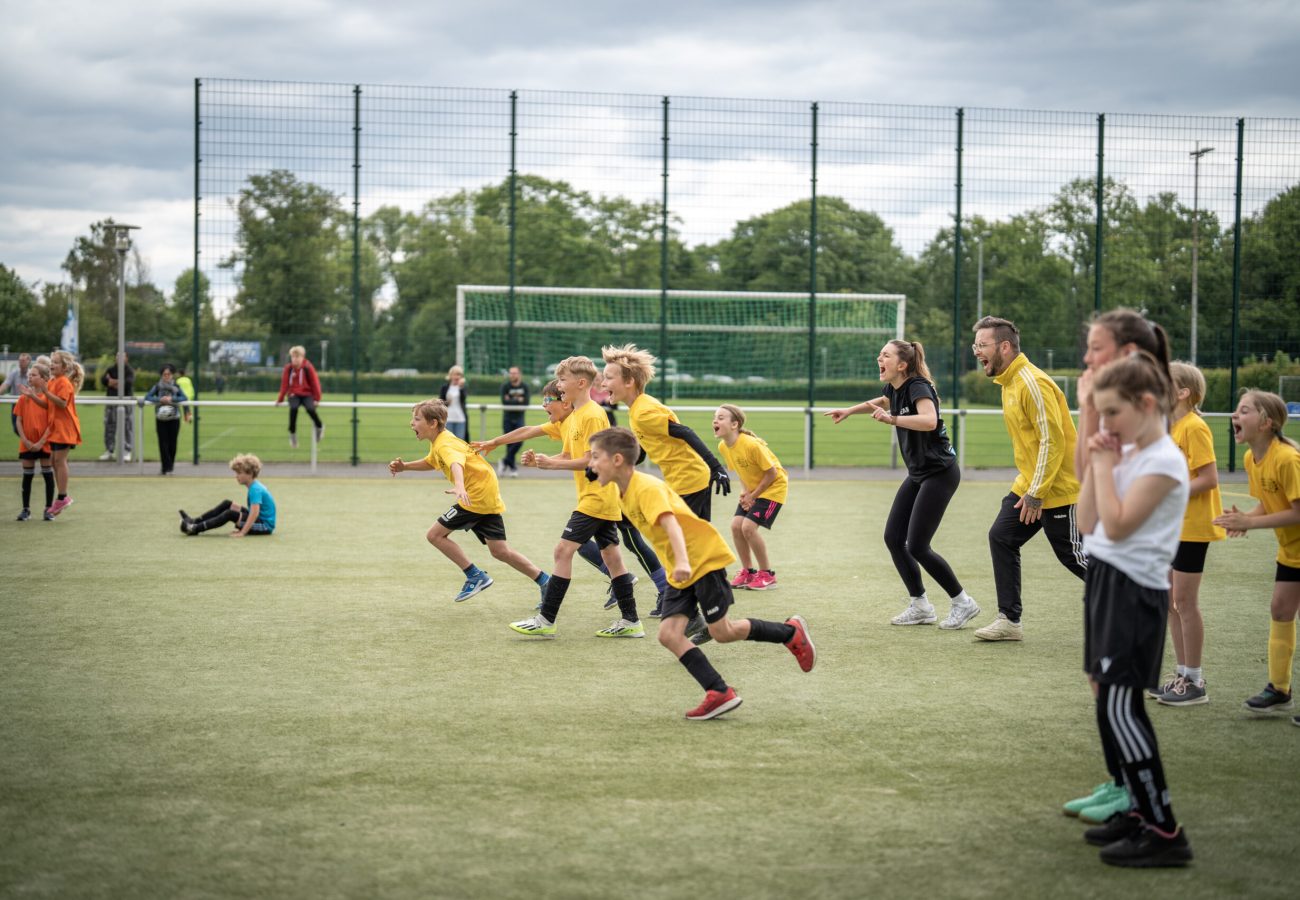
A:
342	217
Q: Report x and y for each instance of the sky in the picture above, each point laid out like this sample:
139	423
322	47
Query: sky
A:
97	100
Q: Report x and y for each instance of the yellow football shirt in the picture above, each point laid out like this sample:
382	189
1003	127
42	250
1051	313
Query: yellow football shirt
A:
645	502
682	467
480	480
593	500
1275	482
750	458
1193	437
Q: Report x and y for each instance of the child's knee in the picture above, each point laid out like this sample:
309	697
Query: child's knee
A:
499	550
738	526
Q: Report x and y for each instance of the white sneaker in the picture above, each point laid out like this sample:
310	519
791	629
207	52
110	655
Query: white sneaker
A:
126	457
918	612
106	456
293	441
1001	629
319	432
960	613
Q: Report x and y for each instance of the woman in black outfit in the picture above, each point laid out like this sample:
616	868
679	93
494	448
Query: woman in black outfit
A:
911	405
167	396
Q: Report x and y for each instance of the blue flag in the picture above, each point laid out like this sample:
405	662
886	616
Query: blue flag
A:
71	337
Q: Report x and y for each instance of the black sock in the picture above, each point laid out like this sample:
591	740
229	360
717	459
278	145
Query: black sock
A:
28	478
626	598
48	475
556	588
769	632
207	523
63	496
702	670
216	510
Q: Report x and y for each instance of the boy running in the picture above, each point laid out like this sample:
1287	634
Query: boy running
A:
596	516
478	505
698	583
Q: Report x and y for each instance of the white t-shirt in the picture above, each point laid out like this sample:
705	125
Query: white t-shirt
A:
1146	554
454	412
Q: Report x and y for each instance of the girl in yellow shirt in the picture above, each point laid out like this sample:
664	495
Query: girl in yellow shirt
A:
765	490
1273	466
1186	626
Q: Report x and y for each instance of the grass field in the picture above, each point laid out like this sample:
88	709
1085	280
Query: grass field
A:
309	715
383	434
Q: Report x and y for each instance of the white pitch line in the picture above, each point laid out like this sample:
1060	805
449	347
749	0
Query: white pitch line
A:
210	441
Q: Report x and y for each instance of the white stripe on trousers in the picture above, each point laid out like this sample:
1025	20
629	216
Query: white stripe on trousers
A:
1129	733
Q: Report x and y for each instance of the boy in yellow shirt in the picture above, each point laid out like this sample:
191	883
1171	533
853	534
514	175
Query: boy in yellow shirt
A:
597	514
698	580
478	505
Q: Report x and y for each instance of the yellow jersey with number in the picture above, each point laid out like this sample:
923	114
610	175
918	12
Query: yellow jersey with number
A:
1275	483
593	500
646	501
682	467
750	458
1194	438
480	481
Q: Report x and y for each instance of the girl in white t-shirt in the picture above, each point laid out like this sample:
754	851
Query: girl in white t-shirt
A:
1130	512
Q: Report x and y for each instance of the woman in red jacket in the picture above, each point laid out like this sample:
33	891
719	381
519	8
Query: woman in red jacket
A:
300	383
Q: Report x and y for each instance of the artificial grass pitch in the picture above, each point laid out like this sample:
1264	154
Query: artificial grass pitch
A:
310	715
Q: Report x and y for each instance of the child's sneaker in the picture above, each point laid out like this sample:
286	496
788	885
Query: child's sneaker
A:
534	625
59	506
1119	827
1114	803
1185	693
715	704
762	580
24	515
1167	683
697	631
319	432
1269	700
959	614
918	612
742	579
546	579
293	440
622	628
1100	794
473	585
1148	849
658	611
801	644
49	516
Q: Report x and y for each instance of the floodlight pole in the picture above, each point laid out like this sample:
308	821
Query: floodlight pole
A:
1196	234
121	238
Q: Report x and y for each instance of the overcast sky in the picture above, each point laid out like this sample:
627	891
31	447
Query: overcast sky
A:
97	99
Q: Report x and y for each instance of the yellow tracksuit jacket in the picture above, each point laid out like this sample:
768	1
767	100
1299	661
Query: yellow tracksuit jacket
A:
1042	434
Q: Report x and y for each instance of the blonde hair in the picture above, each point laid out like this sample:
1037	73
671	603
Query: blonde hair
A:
634	364
298	350
738	415
1189	378
577	366
40	368
456	370
247	464
1272	407
618	440
75	373
431	411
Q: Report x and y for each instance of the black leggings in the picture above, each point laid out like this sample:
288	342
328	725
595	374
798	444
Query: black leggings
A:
914	518
306	403
169	431
633	541
1129	744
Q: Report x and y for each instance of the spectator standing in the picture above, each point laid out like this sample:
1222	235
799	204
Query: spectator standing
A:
111	413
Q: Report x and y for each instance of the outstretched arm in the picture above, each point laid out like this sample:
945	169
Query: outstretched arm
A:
718	477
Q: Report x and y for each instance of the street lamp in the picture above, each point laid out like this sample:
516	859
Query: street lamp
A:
1196	232
121	243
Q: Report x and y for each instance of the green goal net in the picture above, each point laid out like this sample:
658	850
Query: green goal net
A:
717	341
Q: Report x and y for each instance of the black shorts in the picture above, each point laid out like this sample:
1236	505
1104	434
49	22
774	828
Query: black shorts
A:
486	526
42	455
1123	628
55	445
1190	557
583	528
1287	573
700	503
709	594
763	512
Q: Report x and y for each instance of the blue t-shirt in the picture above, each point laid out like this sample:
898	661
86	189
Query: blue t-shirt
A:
258	494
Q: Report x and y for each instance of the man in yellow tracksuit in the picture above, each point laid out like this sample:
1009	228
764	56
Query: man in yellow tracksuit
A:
1046	489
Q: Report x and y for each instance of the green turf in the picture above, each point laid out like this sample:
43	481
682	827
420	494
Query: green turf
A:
309	715
384	433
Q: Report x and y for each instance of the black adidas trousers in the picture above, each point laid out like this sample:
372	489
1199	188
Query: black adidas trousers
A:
1009	534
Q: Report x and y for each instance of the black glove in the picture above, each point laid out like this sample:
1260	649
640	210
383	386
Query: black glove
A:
591	476
720	480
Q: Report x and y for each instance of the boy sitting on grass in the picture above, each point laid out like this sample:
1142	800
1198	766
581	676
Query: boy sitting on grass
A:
478	505
258	517
698	582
